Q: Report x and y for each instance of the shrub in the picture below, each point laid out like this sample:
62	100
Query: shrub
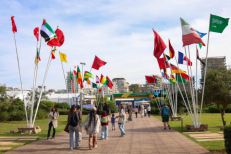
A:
112	106
17	116
214	109
62	105
205	110
4	116
227	137
64	112
155	111
41	114
45	105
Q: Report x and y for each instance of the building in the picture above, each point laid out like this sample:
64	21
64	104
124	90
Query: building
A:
75	84
121	84
115	88
61	91
147	87
39	89
213	63
89	91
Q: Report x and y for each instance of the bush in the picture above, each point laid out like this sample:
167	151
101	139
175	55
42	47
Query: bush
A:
4	116
155	111
45	105
17	116
227	137
62	105
41	114
205	110
17	104
64	112
112	106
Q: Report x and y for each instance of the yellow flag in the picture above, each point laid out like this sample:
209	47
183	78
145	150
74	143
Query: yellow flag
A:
63	57
126	94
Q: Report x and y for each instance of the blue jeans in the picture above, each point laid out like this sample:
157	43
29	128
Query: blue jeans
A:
104	132
71	132
121	127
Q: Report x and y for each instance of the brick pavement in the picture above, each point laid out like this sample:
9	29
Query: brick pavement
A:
143	135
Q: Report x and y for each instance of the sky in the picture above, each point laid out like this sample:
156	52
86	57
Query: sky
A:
119	32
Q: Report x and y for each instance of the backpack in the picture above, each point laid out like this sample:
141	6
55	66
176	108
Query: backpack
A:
165	111
104	119
74	120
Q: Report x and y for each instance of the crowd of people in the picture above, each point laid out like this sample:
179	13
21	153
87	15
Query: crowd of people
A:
93	122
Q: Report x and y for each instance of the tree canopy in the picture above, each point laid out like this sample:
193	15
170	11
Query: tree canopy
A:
135	88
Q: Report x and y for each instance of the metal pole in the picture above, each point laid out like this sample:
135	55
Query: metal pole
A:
20	78
81	93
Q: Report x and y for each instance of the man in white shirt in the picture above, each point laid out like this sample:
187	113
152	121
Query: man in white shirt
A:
149	110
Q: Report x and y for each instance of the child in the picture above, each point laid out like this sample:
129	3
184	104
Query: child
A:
145	112
113	121
104	124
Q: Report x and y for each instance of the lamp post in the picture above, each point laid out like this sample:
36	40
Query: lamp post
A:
81	93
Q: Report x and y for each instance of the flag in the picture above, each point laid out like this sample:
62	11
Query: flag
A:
71	79
97	79
47	32
98	63
57	41
159	45
183	59
109	82
167	58
99	89
202	63
176	69
155	79
63	57
179	79
171	50
79	78
36	33
103	80
201	35
53	53
189	35
162	63
75	70
14	28
172	80
218	24
165	75
87	75
37	59
150	79
92	84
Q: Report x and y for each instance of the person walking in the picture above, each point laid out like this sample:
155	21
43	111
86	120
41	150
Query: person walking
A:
104	123
79	124
130	114
106	108
165	114
149	110
113	121
91	125
73	119
142	111
145	111
136	111
53	121
122	119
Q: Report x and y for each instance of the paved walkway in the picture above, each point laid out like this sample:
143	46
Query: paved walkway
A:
143	135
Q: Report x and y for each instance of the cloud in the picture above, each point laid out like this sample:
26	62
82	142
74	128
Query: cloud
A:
119	32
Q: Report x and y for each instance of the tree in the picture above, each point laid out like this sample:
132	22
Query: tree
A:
36	98
135	88
218	88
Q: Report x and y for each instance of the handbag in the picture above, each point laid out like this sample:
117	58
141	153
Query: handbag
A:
67	128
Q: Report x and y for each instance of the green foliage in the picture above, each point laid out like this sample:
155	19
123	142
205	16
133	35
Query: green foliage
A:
41	114
16	104
218	88
180	101
227	137
64	112
112	106
155	110
45	105
214	109
135	88
37	94
4	116
17	116
63	105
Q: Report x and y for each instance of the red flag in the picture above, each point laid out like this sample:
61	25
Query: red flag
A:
100	90
97	79
171	50
109	84
162	63
160	46
36	33
150	79
98	63
14	28
59	41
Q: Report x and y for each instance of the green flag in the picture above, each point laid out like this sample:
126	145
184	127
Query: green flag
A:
94	85
218	24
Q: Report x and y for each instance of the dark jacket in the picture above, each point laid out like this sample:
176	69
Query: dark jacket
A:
104	115
70	116
169	111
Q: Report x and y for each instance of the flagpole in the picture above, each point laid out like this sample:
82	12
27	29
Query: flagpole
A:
205	69
20	78
65	81
75	84
34	84
196	87
44	80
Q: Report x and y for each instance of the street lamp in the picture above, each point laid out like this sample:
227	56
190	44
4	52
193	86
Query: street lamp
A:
81	93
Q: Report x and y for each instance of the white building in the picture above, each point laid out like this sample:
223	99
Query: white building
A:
18	94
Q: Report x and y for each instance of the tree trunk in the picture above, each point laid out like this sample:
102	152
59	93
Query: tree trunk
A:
180	110
222	113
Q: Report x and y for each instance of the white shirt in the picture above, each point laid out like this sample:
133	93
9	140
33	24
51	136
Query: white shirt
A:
149	108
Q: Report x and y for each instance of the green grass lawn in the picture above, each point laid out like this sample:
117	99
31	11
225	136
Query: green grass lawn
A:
212	119
5	128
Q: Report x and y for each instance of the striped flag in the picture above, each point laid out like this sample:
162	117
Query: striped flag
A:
47	32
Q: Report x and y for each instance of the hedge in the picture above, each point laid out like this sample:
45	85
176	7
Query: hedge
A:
227	137
214	109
